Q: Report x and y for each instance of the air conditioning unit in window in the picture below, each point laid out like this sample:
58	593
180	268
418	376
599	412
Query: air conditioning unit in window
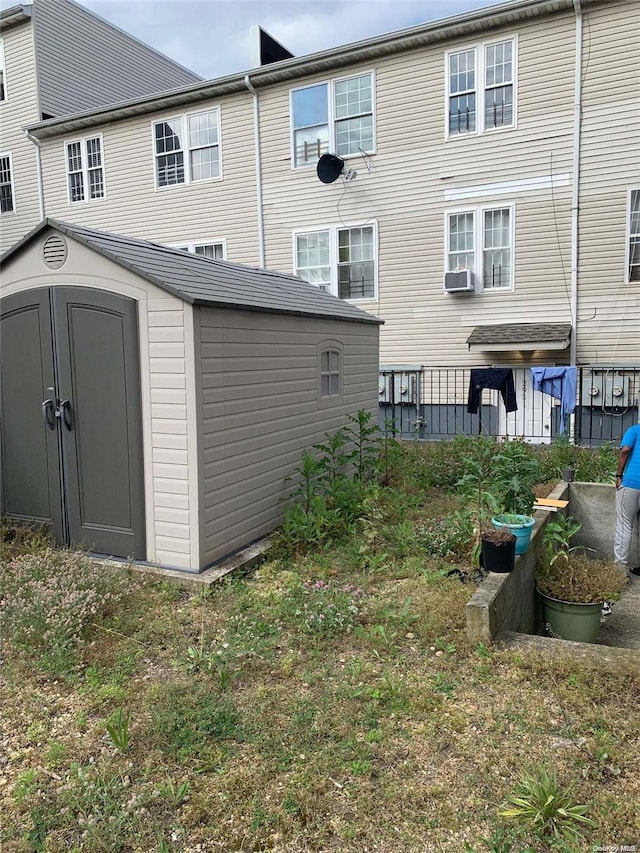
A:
459	282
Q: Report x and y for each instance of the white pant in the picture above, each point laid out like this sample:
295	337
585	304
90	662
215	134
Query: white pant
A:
627	515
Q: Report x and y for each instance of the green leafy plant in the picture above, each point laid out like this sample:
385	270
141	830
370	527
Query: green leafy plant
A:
518	472
480	489
118	729
174	793
365	439
556	537
546	807
332	486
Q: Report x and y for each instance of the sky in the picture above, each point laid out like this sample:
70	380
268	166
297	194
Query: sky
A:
211	37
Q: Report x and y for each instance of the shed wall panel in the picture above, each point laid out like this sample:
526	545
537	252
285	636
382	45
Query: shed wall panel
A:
260	410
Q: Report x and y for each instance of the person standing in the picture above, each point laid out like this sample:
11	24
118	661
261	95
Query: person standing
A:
627	497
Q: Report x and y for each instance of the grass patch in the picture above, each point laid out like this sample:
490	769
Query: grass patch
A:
386	729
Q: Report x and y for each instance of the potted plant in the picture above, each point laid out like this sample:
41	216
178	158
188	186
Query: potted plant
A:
573	586
480	490
498	550
520	471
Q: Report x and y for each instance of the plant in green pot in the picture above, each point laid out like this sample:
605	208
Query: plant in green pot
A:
519	469
573	586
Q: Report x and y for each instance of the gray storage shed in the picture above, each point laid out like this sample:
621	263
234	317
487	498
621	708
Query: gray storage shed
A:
154	401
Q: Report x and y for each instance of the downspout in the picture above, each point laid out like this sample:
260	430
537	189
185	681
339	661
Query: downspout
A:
256	143
36	142
575	192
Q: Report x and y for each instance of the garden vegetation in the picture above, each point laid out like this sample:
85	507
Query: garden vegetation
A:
325	700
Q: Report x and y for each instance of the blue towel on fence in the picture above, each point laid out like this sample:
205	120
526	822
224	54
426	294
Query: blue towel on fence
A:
558	382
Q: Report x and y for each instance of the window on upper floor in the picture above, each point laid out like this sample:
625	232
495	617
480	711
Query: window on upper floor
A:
481	240
85	169
3	84
481	88
187	148
7	194
340	260
633	242
216	251
336	116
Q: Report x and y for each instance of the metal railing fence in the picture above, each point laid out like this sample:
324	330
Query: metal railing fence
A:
431	403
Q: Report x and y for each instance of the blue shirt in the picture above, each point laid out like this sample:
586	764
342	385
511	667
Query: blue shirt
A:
631	473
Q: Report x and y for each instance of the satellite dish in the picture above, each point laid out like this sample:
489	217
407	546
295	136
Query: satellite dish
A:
329	168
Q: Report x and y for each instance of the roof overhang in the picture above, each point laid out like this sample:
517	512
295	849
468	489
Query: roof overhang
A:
520	337
466	24
14	15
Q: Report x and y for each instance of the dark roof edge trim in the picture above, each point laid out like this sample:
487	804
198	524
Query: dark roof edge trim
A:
290	69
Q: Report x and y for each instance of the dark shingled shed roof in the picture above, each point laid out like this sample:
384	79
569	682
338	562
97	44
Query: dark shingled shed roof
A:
519	336
204	281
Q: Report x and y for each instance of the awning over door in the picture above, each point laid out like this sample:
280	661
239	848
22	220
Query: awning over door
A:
520	337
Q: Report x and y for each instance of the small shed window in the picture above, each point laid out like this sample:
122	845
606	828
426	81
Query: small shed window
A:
330	372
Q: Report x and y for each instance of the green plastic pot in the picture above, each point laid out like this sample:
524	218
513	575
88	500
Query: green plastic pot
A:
570	621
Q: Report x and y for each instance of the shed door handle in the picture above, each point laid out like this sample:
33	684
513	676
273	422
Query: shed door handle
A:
48	414
65	413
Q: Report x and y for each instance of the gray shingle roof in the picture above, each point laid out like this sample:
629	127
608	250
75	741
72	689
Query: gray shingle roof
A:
204	281
520	333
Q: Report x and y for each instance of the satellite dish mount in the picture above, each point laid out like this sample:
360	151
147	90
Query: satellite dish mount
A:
330	167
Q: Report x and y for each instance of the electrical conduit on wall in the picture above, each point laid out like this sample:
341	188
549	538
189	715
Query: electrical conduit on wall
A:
575	192
256	135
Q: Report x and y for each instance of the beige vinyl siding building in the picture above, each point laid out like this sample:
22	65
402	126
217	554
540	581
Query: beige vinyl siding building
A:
19	108
524	204
218	209
69	38
417	176
609	304
49	50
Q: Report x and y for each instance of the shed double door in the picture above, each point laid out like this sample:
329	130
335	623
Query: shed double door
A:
71	427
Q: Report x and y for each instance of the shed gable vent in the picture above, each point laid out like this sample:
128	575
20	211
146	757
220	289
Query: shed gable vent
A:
54	251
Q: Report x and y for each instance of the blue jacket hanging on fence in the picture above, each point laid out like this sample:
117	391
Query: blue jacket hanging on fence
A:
499	379
559	382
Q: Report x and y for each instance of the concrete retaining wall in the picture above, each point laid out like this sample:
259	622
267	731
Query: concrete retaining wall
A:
594	504
508	603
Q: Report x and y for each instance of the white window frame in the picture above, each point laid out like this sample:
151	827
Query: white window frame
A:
478	212
628	236
191	247
479	49
11	183
333	231
183	118
331	117
3	70
85	169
